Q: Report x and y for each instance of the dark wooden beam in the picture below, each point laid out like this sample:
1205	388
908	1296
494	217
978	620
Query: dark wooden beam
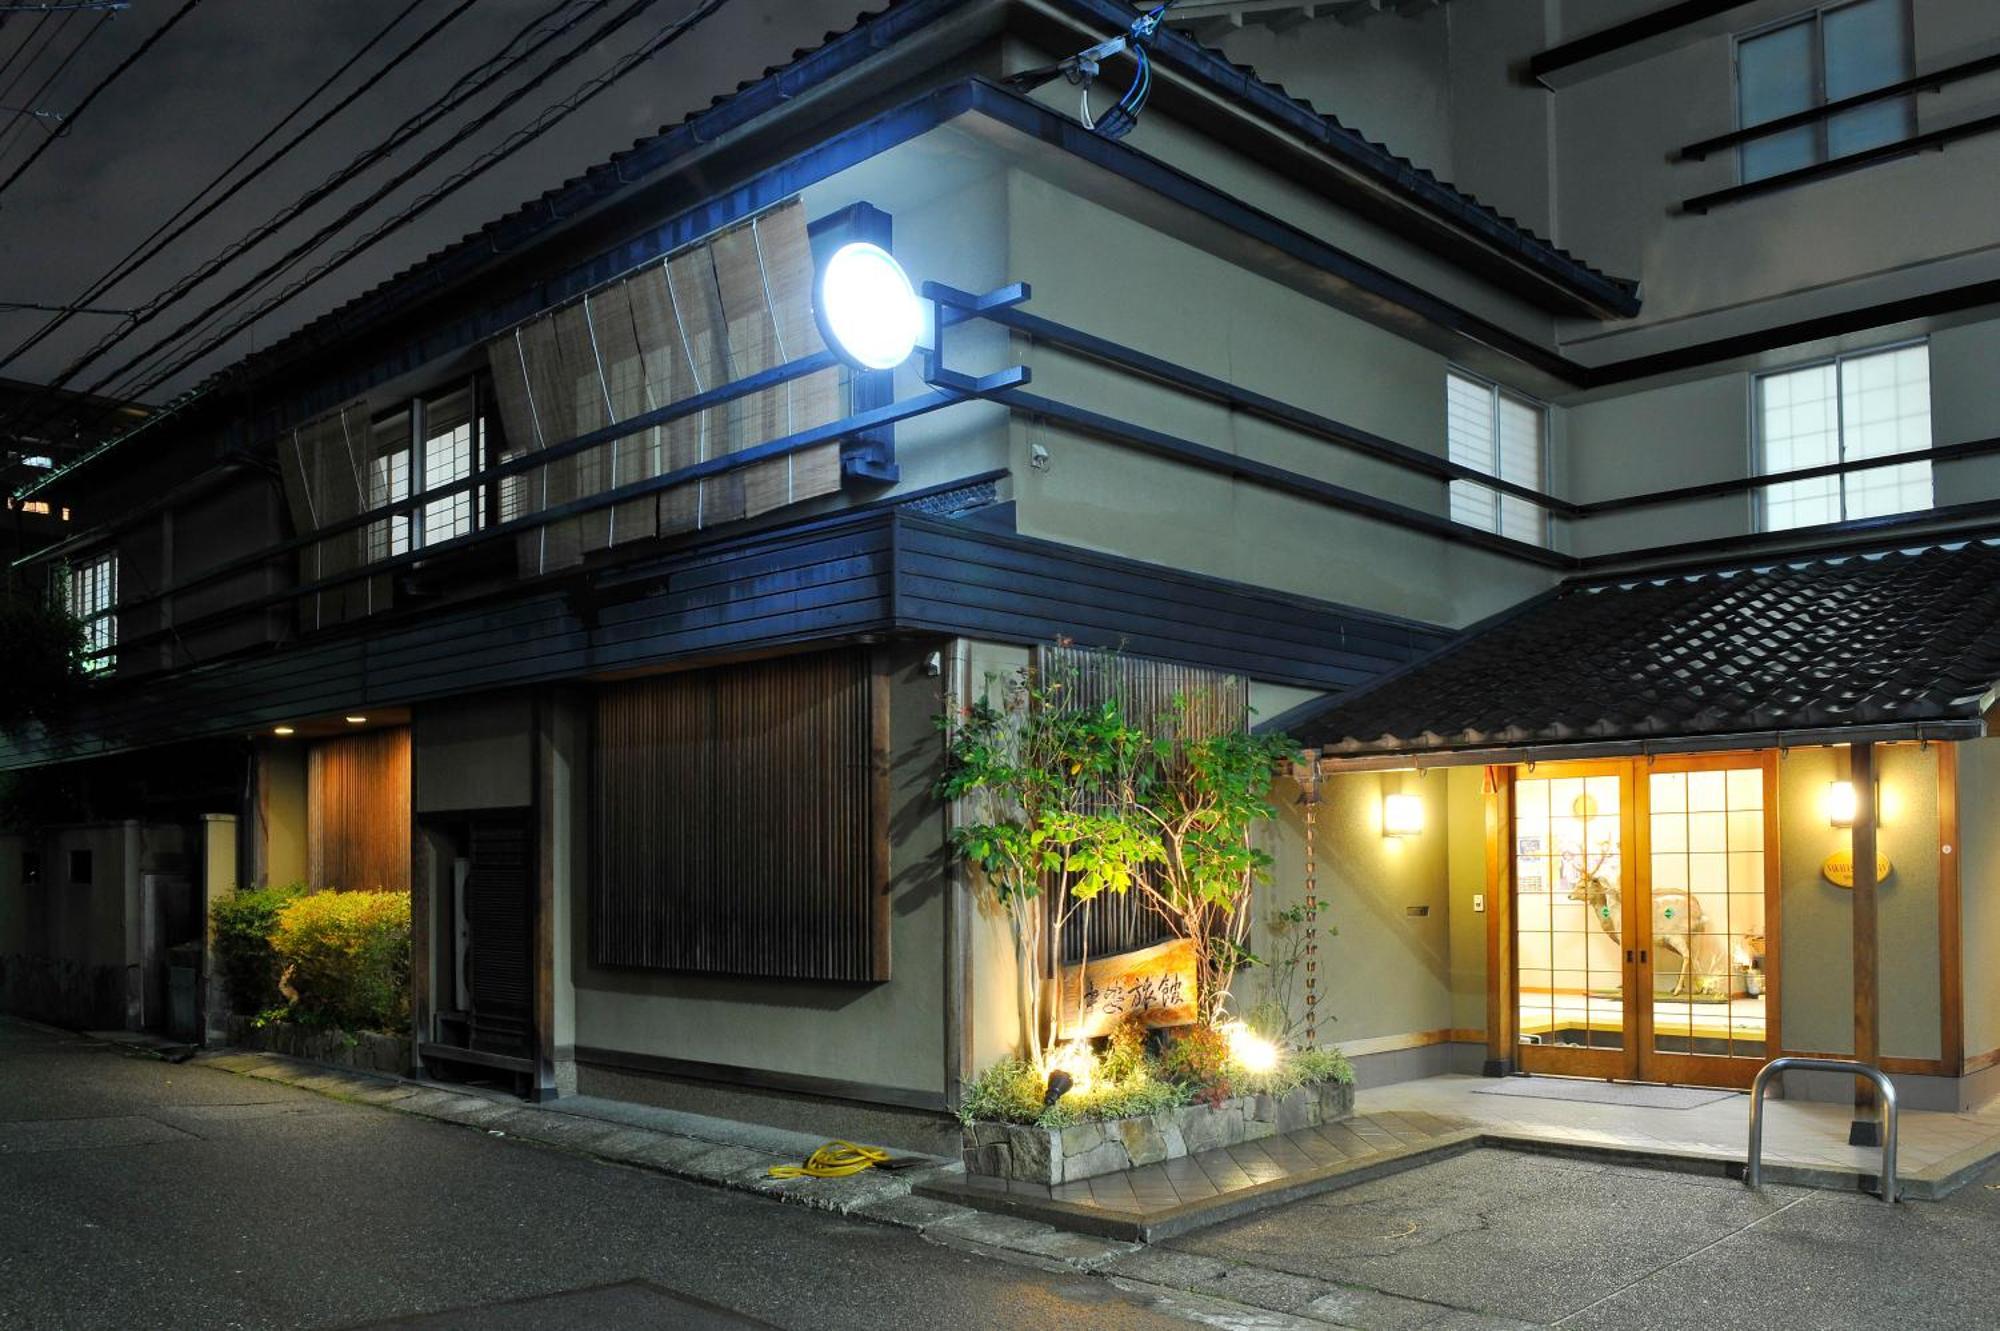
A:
1502	1013
1865	1130
1620	35
1951	953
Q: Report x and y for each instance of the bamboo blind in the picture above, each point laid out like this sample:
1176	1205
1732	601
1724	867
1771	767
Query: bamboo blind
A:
706	316
737	822
325	465
358	811
1145	689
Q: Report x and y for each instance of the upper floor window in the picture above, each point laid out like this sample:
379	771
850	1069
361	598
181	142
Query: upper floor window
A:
1832	53
1867	405
452	443
1501	434
90	591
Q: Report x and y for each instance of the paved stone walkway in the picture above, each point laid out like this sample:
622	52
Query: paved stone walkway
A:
1805	1141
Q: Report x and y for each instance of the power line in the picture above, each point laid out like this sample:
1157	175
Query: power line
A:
168	231
479	77
152	39
35	97
546	120
454	97
45	32
11	305
75	6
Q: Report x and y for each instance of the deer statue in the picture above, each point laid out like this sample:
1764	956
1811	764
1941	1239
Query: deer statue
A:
1677	916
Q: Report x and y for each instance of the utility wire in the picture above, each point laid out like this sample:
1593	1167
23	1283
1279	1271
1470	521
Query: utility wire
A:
44	32
546	120
152	39
355	211
174	227
34	98
550	117
468	85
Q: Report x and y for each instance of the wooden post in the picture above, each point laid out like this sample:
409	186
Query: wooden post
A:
1503	1013
1866	1129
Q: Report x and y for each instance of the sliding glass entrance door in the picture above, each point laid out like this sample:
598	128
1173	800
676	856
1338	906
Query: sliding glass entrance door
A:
1710	847
1644	917
1572	848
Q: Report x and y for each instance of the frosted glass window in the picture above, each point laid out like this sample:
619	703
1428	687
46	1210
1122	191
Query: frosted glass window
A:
89	589
1775	76
1865	406
387	480
1501	434
1867	46
1833	53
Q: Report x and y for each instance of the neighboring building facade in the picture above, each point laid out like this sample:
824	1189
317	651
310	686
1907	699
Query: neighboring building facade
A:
579	534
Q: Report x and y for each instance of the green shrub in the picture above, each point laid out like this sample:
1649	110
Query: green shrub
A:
1198	1058
244	923
1298	1067
346	959
1011	1091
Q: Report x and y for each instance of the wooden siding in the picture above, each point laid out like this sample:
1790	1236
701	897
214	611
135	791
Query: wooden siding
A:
826	580
1145	689
737	817
358	811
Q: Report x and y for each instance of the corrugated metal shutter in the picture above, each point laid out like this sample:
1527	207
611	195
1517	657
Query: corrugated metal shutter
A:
738	820
1218	703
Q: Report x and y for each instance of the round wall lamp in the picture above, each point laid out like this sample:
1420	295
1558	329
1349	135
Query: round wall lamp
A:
867	310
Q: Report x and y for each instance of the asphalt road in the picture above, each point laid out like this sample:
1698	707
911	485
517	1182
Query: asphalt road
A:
137	1194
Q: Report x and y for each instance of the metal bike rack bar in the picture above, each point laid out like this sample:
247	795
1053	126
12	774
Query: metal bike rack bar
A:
1753	1171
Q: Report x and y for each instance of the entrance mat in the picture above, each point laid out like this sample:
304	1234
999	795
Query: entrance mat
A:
1629	1094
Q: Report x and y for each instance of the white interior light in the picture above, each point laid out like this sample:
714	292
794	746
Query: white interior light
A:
1402	815
867	307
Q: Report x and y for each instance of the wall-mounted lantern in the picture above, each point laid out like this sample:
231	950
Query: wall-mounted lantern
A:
867	309
1842	803
1402	815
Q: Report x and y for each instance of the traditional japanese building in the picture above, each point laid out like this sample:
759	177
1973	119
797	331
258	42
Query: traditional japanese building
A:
1573	422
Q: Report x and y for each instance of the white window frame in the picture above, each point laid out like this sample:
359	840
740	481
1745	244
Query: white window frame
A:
100	622
1496	393
1816	16
1839	361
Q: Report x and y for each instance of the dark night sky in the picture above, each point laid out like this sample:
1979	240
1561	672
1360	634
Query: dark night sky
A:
232	67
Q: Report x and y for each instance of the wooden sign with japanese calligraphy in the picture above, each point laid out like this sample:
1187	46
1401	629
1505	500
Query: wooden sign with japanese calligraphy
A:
1155	983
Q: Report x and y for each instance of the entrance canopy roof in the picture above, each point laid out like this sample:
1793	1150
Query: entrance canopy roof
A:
1821	649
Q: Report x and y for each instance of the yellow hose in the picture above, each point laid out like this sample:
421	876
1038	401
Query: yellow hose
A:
833	1160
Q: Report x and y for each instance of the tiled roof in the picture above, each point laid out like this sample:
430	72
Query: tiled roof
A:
1807	644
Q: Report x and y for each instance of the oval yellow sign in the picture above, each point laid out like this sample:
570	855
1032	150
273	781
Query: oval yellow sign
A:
1839	868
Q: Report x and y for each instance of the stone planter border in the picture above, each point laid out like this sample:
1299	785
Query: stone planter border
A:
366	1051
1085	1150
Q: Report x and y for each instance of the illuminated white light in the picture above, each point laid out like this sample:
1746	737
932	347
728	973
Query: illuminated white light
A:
1402	815
1842	803
1250	1051
867	308
39	461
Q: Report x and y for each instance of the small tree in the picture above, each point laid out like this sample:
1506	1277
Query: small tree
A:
44	659
1202	798
1050	789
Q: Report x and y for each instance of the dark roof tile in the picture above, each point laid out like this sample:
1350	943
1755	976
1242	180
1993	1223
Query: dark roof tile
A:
1908	636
